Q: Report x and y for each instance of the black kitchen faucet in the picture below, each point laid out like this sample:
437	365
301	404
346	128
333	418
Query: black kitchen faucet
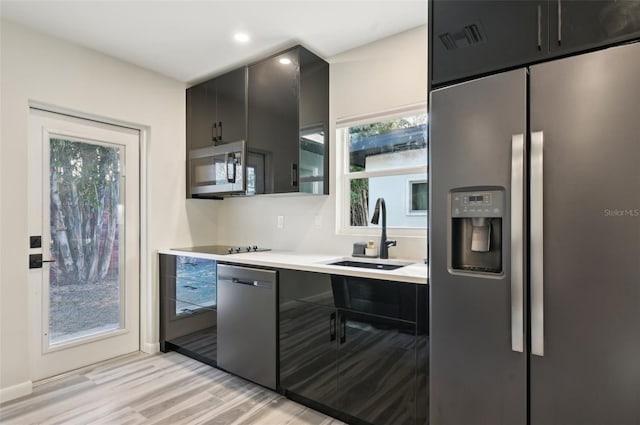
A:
384	243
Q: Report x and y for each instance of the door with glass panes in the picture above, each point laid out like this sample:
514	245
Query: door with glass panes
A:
84	204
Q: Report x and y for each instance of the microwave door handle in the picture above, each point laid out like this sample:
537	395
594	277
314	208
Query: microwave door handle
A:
226	166
235	162
231	179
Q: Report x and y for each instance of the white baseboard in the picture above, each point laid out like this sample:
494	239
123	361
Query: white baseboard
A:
150	347
15	391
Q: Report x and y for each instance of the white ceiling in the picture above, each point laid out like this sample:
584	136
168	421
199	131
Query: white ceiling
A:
190	40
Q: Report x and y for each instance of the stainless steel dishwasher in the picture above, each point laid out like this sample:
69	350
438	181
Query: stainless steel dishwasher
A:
247	323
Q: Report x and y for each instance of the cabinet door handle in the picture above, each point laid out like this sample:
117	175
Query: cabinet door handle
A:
219	131
539	27
213	132
343	329
294	174
559	22
332	327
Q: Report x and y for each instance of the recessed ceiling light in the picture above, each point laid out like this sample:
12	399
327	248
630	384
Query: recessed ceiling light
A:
285	61
241	37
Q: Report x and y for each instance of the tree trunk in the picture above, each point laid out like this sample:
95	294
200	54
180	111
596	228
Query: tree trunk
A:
93	247
58	229
73	214
112	229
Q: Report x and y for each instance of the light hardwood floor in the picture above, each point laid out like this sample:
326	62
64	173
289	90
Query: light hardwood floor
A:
155	389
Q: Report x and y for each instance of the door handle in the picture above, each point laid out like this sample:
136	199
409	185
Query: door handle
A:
539	27
537	244
332	327
294	174
35	261
517	243
213	132
219	131
343	329
559	22
254	283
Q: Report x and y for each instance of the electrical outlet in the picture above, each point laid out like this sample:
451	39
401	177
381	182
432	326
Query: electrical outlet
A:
280	223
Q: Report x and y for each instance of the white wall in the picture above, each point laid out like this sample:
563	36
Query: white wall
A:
374	78
36	67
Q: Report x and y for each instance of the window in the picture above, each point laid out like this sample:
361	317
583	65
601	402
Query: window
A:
417	197
384	158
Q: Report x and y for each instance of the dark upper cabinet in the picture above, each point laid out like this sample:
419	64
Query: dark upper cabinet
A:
280	106
288	114
472	38
201	115
579	25
356	347
216	110
475	37
273	120
231	101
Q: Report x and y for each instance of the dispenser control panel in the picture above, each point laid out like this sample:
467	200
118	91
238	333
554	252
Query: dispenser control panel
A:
485	203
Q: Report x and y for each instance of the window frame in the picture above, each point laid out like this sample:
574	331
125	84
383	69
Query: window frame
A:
344	176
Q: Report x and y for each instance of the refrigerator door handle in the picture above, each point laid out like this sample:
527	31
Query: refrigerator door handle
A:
537	239
517	242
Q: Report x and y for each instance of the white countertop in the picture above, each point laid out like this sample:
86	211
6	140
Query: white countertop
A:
413	273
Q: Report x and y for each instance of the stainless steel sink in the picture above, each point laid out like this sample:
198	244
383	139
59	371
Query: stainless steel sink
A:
387	265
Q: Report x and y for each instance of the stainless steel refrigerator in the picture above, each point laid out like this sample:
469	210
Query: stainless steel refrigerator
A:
535	244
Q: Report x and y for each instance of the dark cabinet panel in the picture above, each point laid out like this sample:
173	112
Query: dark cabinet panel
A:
314	124
377	368
231	103
578	25
188	302
308	351
273	119
216	110
288	122
475	37
355	346
201	115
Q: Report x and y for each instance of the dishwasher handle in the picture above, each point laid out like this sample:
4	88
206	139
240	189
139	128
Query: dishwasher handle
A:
256	283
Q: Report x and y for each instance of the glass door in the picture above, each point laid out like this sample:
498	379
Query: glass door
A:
84	297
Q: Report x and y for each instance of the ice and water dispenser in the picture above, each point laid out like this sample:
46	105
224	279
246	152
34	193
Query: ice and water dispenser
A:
476	230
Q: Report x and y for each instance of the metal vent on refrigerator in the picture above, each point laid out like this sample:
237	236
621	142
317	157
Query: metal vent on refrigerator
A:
466	36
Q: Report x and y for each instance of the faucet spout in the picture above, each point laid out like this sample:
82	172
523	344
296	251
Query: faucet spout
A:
384	243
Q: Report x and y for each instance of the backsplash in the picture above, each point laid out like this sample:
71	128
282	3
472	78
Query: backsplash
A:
308	226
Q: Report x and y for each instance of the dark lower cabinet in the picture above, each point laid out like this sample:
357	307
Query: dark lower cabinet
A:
188	306
308	351
355	348
377	369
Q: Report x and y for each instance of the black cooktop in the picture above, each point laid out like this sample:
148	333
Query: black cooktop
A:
223	249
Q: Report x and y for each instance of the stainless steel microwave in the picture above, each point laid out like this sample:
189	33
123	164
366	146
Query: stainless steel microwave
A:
218	170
